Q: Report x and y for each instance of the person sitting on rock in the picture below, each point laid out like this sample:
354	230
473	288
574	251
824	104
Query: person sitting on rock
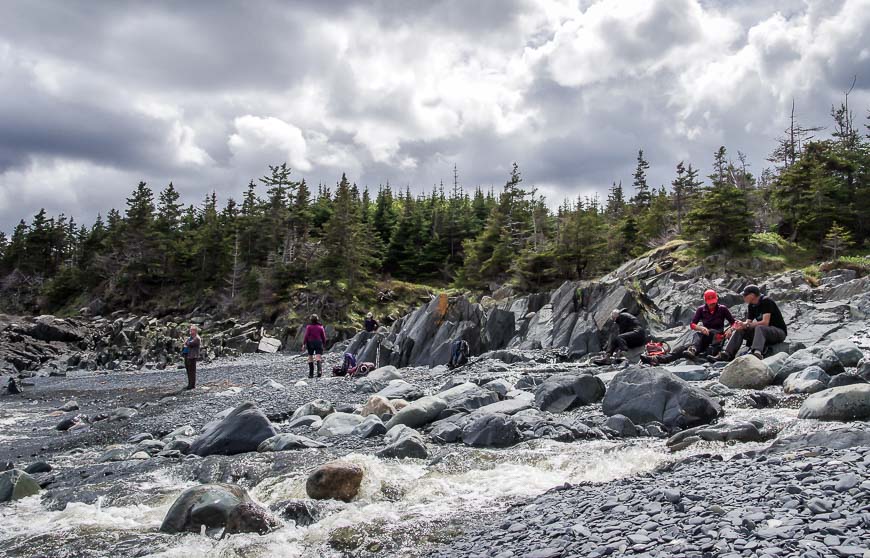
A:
626	332
314	341
764	326
370	323
459	352
708	323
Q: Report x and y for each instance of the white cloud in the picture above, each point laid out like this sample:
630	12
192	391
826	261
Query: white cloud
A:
266	140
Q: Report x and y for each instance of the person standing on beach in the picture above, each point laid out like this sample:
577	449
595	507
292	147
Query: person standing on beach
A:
191	355
314	341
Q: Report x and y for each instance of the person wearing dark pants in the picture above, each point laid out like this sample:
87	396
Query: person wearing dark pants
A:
764	326
626	332
314	341
708	323
191	355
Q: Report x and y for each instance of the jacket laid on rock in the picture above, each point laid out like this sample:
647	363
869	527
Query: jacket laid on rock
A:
713	320
193	344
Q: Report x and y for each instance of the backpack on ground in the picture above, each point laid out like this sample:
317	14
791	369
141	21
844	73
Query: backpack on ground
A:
459	353
348	363
656	349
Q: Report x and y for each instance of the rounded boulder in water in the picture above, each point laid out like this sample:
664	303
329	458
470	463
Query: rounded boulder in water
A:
212	506
337	480
16	484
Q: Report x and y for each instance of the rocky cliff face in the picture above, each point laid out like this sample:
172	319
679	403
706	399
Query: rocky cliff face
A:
572	320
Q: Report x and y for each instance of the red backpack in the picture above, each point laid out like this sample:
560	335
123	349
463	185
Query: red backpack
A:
655	349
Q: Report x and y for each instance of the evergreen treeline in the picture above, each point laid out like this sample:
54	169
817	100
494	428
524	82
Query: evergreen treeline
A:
281	233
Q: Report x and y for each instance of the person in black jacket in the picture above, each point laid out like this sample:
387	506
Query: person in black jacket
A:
370	323
764	326
626	332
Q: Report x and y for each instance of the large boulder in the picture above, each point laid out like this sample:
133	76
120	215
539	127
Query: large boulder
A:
847	352
419	413
846	379
746	372
775	362
49	328
817	355
339	424
467	396
319	407
336	480
286	441
652	394
863	368
841	403
241	431
565	391
400	389
808	380
16	484
370	427
403	443
215	506
487	430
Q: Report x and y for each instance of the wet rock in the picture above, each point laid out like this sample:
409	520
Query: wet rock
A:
336	480
377	405
653	394
16	484
808	380
448	430
37	467
565	391
287	442
419	413
240	431
506	407
763	400
863	368
68	422
842	403
304	512
136	438
847	352
621	425
721	432
248	517
339	424
319	407
206	505
496	430
372	426
833	439
403	443
151	447
746	372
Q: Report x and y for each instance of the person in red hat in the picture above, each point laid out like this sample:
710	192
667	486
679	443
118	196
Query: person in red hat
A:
708	322
709	319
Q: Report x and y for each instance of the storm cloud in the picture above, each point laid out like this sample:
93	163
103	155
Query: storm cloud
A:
98	96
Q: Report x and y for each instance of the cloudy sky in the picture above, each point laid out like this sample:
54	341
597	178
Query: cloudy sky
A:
95	96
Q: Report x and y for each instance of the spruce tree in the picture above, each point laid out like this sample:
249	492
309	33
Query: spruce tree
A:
838	240
642	197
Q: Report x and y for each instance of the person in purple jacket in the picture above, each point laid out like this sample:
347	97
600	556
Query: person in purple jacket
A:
314	341
708	321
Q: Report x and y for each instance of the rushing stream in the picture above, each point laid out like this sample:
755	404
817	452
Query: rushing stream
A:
404	506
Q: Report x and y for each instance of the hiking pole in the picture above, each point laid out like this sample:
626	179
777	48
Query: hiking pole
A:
378	356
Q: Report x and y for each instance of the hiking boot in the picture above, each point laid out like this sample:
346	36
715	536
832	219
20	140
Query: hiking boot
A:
691	353
651	360
757	354
603	361
721	357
